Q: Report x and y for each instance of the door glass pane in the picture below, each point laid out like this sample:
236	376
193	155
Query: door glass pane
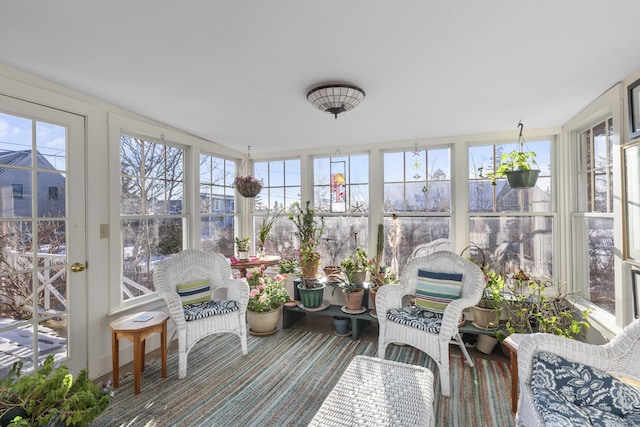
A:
15	138
33	279
51	146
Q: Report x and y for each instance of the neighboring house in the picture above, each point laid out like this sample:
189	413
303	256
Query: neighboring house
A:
16	186
212	204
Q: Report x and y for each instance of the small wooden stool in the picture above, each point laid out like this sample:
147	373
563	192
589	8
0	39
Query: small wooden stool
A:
512	342
137	327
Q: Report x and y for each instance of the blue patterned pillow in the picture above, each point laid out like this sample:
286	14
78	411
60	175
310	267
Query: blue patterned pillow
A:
435	290
569	393
194	292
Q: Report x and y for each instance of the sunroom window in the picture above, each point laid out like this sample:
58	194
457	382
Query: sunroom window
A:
281	189
152	209
217	204
417	204
341	195
514	227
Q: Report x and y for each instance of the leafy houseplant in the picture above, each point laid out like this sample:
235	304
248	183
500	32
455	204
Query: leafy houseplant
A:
51	396
528	309
288	266
355	263
352	293
242	244
516	166
309	231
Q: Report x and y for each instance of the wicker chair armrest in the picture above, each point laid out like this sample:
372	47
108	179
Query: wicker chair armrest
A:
387	298
237	290
452	314
174	304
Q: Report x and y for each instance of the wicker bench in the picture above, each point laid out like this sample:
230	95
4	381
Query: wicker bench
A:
377	392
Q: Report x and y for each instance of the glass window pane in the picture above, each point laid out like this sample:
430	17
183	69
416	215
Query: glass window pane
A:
145	243
406	234
514	242
416	166
51	194
342	235
216	234
601	263
439	164
481	197
51	146
393	174
439	196
15	136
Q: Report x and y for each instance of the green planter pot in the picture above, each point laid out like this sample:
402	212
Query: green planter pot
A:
522	179
311	298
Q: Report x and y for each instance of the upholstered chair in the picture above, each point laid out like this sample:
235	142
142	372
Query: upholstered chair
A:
430	329
202	298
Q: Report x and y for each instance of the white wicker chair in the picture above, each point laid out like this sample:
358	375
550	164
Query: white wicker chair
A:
618	357
192	265
435	345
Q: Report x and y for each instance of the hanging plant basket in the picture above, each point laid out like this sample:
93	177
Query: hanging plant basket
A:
522	178
248	186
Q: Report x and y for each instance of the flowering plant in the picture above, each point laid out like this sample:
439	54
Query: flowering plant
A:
248	186
265	293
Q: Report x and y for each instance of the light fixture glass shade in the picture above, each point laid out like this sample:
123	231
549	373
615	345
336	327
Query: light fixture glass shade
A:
335	99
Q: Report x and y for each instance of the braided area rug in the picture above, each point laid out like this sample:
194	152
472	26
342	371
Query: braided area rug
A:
284	380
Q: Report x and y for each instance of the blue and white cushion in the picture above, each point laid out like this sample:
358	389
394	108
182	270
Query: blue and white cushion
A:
435	289
569	393
417	317
209	308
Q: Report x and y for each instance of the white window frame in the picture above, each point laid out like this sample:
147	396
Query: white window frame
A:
607	105
193	147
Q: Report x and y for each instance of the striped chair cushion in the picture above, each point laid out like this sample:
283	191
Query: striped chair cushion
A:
209	308
435	290
194	292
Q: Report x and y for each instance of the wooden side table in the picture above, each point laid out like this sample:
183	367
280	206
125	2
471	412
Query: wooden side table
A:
512	342
136	328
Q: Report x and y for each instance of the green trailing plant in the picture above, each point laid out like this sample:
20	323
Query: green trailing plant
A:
528	308
516	160
242	244
51	395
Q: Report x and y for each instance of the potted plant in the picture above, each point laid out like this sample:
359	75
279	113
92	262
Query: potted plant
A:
248	186
486	313
518	166
263	233
356	266
352	293
309	231
266	297
50	396
243	248
528	308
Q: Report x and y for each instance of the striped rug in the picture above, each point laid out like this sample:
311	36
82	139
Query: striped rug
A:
284	380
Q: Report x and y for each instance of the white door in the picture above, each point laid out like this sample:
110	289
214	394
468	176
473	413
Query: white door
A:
42	236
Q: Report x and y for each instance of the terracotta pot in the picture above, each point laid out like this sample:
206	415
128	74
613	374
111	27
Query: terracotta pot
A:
265	323
309	267
354	299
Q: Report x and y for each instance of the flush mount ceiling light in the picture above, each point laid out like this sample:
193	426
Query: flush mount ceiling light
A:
335	98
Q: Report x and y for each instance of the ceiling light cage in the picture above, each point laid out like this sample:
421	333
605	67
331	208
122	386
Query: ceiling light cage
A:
335	98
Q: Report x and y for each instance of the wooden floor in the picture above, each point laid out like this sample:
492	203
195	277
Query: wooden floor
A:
323	324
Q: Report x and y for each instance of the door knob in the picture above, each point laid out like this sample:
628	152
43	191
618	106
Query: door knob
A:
77	267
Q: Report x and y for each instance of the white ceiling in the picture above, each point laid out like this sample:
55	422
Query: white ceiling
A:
237	72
